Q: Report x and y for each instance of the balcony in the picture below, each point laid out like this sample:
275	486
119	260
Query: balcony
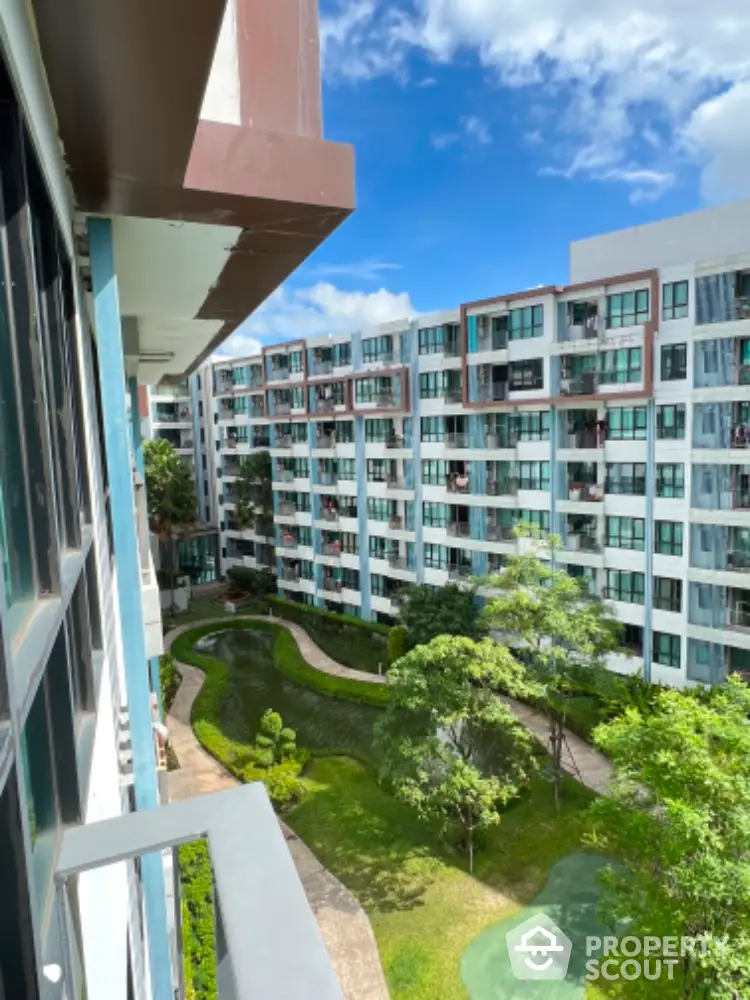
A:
396	524
738	561
500	533
458	482
327	404
281	408
290	575
394	441
452	348
458	440
287	509
396	483
582	541
585	492
328	479
582	322
285	475
325	441
288	542
397	561
453	395
329	514
459	571
493	440
495	393
285	441
331	549
385	399
322	366
459	529
332	586
739	614
583	437
585	384
280	373
502	487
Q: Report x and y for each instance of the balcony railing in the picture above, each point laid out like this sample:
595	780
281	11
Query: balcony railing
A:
461	571
394	441
385	399
494	393
289	542
327	404
329	514
285	441
502	487
282	407
582	542
286	475
457	440
459	529
506	441
331	548
396	523
396	561
291	575
396	483
586	384
740	498
325	441
333	586
586	492
328	478
500	533
739	616
279	372
738	560
584	438
453	395
452	349
287	508
323	367
588	330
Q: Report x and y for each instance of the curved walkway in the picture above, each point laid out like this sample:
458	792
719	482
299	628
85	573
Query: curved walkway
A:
343	923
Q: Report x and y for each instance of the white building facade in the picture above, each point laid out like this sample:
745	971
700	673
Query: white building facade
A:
614	412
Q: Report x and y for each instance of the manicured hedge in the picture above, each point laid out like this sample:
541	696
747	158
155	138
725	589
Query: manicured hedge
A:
198	921
304	614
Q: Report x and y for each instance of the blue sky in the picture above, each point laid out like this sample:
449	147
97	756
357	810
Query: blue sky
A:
490	133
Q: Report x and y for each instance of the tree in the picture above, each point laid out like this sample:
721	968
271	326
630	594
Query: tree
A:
450	747
254	493
274	742
432	611
397	640
549	619
171	499
678	816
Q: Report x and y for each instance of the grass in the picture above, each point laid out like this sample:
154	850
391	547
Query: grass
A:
424	907
360	652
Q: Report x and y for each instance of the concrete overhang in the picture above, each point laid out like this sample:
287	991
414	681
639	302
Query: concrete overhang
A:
196	124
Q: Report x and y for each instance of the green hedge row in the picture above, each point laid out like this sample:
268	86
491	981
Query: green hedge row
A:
198	921
304	614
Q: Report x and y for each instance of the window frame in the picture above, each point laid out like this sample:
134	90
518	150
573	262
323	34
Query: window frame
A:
670	480
673	641
671	308
637	429
678	425
667	595
669	538
625	539
621	314
673	362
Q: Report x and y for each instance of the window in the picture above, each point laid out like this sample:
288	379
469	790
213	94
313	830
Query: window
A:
674	300
378	431
436	515
526	323
526	374
667	594
626	533
431	340
666	649
434	472
533	426
435	556
622	585
380	509
367	390
378	470
632	639
670	422
349	543
433	429
295	362
377	349
626	478
627	309
673	362
668	538
534	475
626	423
433	385
616	367
538	520
670	481
378	547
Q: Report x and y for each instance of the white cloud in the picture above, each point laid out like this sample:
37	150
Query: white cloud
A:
619	74
360	270
474	132
312	312
534	137
427	81
718	133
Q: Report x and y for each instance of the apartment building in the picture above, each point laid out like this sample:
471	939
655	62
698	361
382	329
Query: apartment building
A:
122	262
614	412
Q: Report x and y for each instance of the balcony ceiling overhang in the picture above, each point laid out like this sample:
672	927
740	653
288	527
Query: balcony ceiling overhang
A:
127	81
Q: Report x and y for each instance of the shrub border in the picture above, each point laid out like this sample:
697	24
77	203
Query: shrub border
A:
302	612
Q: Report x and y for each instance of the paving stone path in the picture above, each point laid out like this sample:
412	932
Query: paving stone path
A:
343	923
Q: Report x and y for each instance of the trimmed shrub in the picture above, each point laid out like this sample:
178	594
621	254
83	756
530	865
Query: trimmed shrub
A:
198	921
256	583
169	680
397	643
305	614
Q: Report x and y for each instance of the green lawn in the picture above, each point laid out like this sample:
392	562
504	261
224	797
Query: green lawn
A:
424	907
358	651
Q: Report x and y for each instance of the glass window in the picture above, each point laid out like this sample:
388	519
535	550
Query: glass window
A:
674	300
436	515
431	340
667	594
435	556
666	649
670	481
616	367
626	423
379	509
434	472
670	422
627	478
433	429
526	374
626	533
534	475
526	323
627	309
533	426
295	362
378	430
673	362
378	470
377	349
668	538
622	585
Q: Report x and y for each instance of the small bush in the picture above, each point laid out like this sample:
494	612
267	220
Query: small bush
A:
198	921
304	614
256	583
169	680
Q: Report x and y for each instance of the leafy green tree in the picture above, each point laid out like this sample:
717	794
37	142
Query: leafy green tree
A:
450	748
254	492
171	498
550	621
432	611
397	640
678	817
274	742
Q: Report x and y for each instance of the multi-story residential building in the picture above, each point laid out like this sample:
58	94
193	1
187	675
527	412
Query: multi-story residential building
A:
128	214
614	412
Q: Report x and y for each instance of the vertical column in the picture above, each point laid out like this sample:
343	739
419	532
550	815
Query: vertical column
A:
649	538
200	478
127	560
555	526
416	446
364	541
